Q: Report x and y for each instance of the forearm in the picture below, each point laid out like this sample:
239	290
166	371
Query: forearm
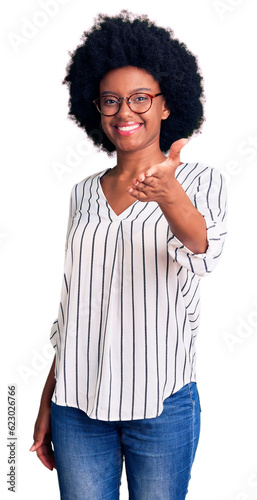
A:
185	221
49	387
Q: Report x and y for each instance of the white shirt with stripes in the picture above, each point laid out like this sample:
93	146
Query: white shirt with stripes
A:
130	307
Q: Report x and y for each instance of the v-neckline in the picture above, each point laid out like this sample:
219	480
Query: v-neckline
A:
117	216
130	207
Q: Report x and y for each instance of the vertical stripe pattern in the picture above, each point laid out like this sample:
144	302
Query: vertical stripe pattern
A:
130	300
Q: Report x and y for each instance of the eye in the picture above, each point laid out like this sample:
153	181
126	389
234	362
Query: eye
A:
109	101
140	98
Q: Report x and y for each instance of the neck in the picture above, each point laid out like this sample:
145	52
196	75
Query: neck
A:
132	163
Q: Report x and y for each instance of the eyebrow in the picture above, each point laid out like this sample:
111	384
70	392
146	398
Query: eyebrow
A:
135	90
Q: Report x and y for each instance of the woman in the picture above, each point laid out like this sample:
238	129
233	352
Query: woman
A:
140	236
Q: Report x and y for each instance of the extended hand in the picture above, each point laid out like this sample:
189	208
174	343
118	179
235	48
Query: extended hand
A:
155	184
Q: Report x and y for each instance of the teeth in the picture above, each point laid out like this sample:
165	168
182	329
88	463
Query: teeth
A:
131	127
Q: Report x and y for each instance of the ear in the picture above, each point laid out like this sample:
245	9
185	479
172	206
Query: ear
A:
165	111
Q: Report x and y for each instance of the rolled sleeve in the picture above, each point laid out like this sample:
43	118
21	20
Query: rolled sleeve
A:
210	198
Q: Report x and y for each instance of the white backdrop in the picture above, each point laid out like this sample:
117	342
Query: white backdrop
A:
44	154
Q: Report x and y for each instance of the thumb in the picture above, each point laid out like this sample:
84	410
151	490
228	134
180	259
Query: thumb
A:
35	445
176	148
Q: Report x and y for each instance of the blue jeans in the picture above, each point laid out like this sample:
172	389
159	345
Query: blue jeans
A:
158	452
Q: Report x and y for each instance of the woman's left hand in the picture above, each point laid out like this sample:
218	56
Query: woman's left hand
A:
156	183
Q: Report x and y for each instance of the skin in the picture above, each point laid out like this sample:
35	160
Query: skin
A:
42	429
142	173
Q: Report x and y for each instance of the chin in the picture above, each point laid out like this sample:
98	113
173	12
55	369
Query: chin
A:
128	146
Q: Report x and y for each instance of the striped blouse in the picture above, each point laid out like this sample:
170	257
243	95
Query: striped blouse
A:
129	309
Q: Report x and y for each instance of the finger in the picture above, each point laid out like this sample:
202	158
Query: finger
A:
176	148
139	179
145	187
152	172
139	195
36	445
46	456
144	176
138	186
48	461
149	181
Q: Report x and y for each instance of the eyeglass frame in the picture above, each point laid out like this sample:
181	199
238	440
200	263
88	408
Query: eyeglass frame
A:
95	101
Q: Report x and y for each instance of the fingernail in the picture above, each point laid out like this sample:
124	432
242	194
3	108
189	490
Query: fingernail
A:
32	448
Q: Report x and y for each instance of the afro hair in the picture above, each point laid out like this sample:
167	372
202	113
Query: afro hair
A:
130	40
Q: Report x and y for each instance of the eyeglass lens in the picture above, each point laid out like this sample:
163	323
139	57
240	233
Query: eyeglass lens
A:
139	103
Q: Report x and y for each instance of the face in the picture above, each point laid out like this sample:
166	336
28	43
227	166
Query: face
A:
144	129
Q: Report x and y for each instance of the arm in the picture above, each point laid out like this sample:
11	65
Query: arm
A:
42	430
197	224
184	220
159	184
49	386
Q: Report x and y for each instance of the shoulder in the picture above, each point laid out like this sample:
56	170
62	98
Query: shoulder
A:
90	178
85	184
193	175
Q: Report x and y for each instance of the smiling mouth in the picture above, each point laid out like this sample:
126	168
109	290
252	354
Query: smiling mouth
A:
127	129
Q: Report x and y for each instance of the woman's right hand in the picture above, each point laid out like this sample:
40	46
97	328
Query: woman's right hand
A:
43	437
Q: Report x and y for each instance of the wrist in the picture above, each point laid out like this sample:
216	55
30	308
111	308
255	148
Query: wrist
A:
170	196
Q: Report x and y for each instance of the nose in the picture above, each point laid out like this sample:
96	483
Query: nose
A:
124	109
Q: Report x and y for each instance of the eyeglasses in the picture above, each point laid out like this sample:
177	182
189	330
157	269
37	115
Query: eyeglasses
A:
139	102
